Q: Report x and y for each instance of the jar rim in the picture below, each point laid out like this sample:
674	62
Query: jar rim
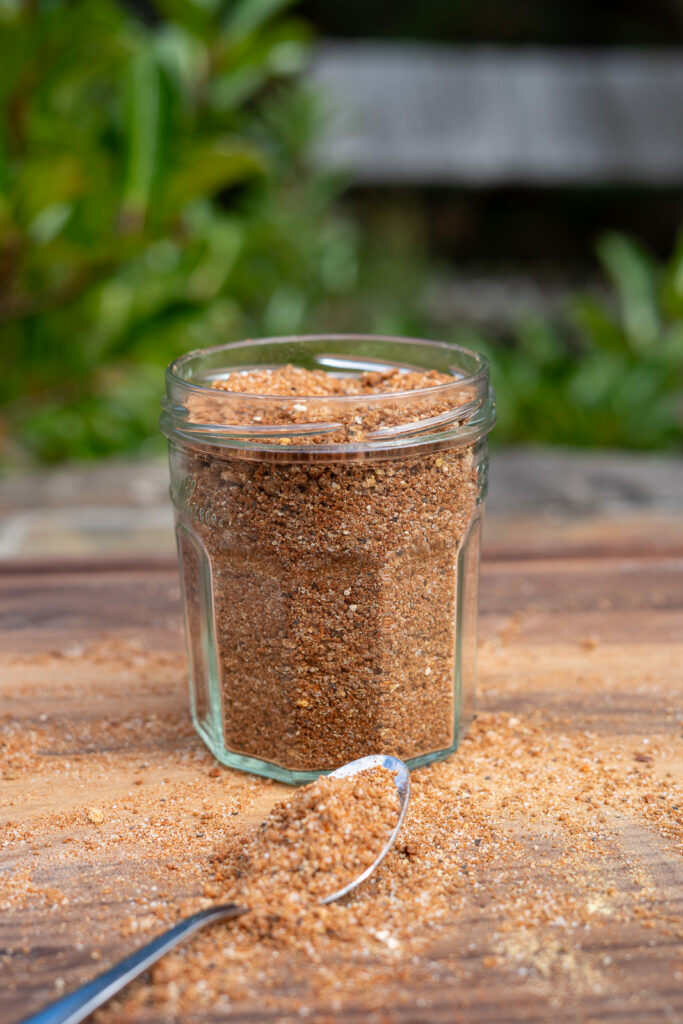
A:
232	346
465	423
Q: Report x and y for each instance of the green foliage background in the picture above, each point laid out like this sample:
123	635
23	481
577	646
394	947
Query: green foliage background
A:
612	376
156	196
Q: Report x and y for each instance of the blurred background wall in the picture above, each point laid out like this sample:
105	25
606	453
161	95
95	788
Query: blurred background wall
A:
179	173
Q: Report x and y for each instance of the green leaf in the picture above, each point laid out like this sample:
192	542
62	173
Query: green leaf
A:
243	70
192	15
184	58
230	91
36	191
207	167
247	16
144	128
541	342
595	324
633	276
49	222
4	162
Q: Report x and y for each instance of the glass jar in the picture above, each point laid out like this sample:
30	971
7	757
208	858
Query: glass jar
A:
329	552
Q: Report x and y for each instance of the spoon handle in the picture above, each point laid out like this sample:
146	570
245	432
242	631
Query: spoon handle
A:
75	1007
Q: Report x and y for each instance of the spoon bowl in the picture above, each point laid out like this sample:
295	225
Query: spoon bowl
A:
75	1007
402	783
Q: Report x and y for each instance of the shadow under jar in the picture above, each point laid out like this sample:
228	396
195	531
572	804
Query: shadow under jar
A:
328	538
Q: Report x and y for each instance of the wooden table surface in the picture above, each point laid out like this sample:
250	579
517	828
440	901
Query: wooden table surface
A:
93	714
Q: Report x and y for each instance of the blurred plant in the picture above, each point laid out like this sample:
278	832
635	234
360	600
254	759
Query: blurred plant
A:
612	377
154	197
607	374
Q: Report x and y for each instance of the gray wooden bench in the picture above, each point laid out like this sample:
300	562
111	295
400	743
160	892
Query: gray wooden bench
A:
443	115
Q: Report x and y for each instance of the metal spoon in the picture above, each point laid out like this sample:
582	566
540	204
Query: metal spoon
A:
78	1005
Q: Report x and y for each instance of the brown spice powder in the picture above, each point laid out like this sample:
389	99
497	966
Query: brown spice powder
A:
309	847
334	586
407	396
542	862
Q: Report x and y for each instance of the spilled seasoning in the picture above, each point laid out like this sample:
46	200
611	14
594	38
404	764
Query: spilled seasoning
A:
537	871
308	848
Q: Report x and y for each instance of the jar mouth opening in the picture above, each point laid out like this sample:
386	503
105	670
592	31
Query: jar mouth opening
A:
329	362
453	412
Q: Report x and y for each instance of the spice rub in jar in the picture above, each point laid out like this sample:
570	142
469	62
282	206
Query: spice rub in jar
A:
337	584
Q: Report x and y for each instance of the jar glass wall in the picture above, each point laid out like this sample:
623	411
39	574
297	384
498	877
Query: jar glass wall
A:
329	552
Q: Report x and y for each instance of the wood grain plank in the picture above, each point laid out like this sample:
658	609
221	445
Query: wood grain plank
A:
582	646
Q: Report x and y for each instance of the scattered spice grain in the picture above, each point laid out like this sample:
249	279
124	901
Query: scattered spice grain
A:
536	845
310	846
